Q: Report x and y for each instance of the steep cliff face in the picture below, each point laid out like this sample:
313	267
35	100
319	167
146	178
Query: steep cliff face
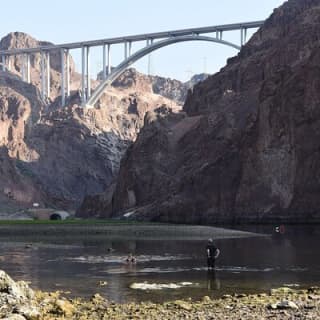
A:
248	147
17	190
20	109
80	149
66	153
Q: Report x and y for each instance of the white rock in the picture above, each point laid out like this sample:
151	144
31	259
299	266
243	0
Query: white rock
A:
285	304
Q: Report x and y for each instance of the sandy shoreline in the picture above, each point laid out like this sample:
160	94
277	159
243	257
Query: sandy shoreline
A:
124	231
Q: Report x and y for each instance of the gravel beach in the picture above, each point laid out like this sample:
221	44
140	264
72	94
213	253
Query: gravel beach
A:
19	302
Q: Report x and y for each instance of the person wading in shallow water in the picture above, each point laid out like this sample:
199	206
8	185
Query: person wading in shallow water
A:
131	259
212	254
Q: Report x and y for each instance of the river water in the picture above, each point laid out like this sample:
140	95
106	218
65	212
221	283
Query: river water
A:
167	269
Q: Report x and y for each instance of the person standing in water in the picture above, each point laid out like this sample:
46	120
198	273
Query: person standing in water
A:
212	254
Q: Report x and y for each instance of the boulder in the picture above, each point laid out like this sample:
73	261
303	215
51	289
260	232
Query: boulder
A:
285	304
16	299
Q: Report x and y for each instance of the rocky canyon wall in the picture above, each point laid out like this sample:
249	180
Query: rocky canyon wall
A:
63	154
246	147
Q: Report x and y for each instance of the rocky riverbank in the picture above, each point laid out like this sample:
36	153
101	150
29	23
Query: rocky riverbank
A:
19	302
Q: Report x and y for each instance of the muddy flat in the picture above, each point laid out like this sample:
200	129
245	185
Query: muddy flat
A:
125	231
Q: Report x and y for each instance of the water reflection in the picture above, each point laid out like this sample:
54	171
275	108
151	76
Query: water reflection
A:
244	265
213	281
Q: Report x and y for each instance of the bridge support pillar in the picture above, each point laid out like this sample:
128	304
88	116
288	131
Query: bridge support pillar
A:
106	55
63	93
104	62
88	73
23	67
219	34
68	72
109	59
28	68
126	50
48	73
9	63
149	43
130	48
42	75
83	75
3	61
243	36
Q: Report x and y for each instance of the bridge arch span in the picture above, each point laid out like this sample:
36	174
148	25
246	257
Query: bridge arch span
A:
145	51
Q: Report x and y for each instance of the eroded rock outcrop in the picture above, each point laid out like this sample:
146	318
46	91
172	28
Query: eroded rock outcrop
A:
18	40
20	109
66	153
80	149
17	189
16	299
172	89
248	147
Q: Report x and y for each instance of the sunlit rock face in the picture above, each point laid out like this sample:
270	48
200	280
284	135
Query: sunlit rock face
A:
59	155
246	147
80	149
19	40
169	88
20	109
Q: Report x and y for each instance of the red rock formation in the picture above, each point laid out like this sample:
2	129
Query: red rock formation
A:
248	149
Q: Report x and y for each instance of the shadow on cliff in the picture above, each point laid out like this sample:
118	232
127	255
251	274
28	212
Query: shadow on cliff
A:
73	161
253	156
27	90
17	189
181	169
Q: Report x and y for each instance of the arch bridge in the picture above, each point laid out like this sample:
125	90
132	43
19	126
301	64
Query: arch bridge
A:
154	41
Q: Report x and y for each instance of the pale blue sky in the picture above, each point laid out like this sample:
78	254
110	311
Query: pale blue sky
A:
62	21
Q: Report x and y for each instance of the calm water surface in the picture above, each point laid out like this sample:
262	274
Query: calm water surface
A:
245	265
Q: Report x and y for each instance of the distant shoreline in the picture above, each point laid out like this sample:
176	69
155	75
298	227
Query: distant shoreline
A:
122	231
